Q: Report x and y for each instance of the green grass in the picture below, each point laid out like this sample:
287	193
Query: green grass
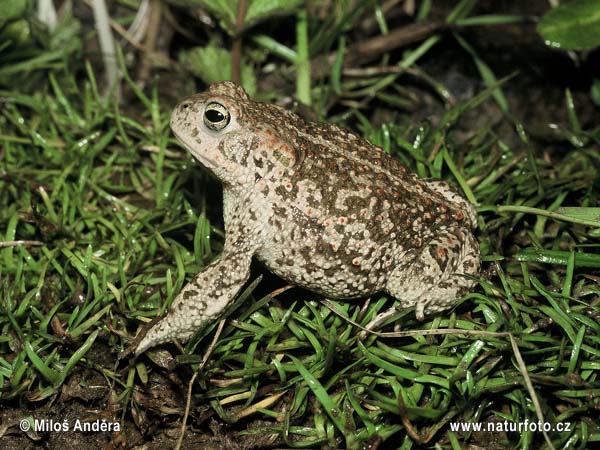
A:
104	218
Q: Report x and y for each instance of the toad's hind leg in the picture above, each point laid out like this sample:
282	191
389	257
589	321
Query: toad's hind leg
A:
435	278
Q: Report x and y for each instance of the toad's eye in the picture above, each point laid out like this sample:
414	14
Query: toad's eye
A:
216	116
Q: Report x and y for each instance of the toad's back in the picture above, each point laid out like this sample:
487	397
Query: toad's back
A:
343	212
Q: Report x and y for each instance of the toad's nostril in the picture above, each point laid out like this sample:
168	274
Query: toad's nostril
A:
185	105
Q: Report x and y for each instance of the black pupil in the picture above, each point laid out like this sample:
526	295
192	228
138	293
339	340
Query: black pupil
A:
214	116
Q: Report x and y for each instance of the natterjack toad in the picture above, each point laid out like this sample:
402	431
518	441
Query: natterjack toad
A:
321	208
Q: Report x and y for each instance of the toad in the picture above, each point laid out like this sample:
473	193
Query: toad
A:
321	208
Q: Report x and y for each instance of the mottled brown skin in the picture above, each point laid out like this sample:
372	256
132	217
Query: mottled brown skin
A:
320	207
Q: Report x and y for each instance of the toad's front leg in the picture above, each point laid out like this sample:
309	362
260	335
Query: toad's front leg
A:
203	299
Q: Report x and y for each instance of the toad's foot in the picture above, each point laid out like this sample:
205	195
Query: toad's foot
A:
201	301
435	278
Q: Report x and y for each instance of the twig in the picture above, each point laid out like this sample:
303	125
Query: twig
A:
236	46
150	41
371	48
529	386
363	72
132	39
188	401
138	28
20	243
396	334
400	37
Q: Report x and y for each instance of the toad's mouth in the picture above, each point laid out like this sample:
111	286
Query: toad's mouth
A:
190	144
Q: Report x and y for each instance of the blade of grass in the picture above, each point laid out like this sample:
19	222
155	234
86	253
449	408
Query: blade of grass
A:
328	404
48	373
